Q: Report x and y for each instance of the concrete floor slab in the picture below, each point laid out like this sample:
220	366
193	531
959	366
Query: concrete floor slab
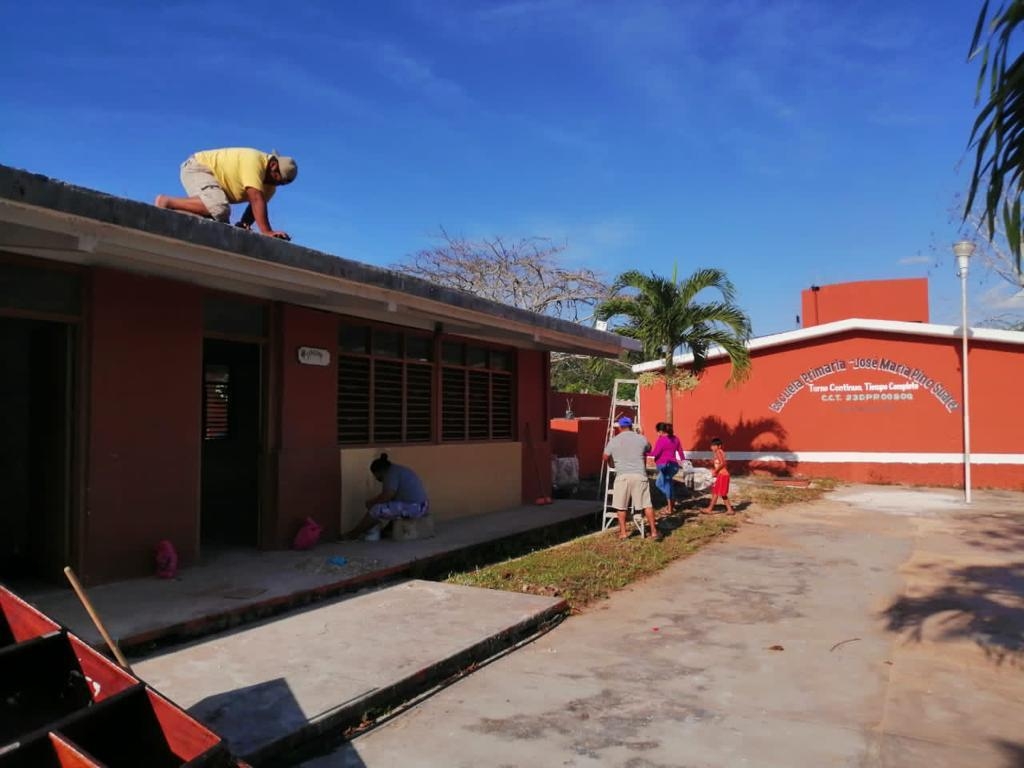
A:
861	630
268	687
230	587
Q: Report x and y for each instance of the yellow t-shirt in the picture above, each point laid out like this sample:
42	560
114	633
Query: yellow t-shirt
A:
237	168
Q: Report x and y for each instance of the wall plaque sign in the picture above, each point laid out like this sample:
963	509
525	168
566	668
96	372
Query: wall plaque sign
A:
314	356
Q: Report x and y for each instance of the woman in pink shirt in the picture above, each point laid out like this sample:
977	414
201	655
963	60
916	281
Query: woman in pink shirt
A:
667	454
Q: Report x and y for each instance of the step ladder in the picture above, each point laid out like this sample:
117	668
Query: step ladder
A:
625	402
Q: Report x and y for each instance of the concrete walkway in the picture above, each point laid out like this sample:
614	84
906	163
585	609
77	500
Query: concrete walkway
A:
269	687
233	587
880	627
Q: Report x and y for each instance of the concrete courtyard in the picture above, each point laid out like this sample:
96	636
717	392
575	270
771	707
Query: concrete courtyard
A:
882	626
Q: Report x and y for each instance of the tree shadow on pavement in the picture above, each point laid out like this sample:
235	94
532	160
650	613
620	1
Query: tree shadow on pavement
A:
983	603
1013	751
994	534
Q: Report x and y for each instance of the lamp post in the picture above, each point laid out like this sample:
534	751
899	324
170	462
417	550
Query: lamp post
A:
963	251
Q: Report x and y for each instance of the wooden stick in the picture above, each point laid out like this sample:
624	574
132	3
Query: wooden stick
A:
75	585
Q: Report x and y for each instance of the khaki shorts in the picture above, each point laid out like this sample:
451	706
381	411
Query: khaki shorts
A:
199	181
635	488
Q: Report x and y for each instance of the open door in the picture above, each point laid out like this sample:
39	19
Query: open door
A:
35	448
232	439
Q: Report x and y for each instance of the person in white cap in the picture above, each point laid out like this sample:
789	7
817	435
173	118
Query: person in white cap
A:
216	178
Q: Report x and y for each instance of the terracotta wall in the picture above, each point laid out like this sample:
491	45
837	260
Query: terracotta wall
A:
871	299
583	438
306	453
144	425
913	434
144	363
532	422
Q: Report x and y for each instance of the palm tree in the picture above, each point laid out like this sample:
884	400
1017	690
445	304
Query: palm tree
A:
997	137
664	316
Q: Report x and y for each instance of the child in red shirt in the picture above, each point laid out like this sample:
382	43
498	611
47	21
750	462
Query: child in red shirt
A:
720	470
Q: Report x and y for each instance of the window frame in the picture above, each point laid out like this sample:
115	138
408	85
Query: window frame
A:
375	364
504	396
490	373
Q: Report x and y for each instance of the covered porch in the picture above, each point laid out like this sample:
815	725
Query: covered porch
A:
231	587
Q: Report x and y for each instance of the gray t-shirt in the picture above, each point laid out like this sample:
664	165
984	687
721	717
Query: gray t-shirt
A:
405	483
628	450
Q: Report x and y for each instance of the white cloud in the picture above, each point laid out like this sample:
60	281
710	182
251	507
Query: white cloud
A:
408	71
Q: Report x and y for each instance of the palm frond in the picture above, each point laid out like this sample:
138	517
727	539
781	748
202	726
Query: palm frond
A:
664	316
997	135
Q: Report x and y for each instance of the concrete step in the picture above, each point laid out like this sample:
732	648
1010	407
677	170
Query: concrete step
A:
275	689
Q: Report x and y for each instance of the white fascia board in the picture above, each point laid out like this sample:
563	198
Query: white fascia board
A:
844	326
863	457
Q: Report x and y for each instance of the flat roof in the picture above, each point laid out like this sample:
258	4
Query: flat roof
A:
894	327
51	219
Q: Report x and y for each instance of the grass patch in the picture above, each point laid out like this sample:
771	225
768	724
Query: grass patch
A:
589	568
769	494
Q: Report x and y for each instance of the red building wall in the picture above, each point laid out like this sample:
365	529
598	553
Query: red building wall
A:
145	360
583	438
308	473
868	299
759	416
532	377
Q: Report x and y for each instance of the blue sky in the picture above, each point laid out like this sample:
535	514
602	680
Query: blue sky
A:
790	142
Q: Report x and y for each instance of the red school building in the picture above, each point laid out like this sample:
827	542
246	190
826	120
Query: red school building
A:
868	390
167	377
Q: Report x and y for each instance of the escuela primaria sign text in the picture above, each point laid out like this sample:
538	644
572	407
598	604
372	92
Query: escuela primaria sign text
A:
870	385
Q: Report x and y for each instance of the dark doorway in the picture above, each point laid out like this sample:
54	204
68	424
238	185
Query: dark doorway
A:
35	447
232	438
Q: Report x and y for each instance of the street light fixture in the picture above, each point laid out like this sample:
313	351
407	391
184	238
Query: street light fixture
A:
963	251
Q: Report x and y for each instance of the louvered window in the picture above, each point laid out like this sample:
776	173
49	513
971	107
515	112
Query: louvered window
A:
453	404
385	386
419	403
216	402
387	401
353	400
477	393
386	390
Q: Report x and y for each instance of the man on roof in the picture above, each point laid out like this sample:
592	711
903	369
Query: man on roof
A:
216	178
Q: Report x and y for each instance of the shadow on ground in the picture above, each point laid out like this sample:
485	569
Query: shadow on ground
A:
994	534
982	603
1013	751
240	715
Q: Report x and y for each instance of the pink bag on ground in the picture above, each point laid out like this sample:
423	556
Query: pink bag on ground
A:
166	560
308	535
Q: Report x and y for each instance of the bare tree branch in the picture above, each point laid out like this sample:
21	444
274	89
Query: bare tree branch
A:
524	273
527	273
993	260
993	249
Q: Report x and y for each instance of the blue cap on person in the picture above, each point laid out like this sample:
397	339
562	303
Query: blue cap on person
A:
625	421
